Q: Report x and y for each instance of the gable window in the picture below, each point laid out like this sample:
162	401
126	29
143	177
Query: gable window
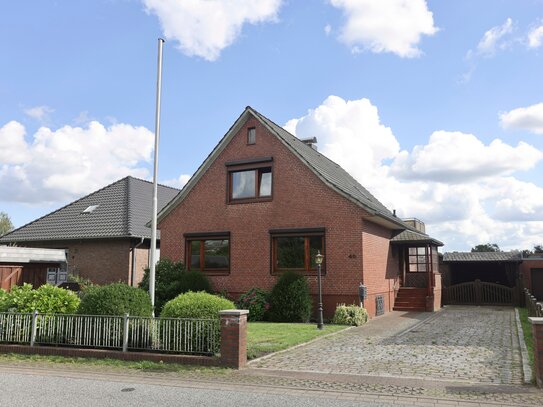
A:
208	252
418	260
251	135
295	250
251	181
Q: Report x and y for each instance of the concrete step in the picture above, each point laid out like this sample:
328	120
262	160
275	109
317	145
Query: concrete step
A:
417	309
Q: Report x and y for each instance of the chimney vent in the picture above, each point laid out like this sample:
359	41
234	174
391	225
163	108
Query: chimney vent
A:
311	142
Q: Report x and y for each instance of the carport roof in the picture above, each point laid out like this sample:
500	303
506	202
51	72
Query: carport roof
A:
460	257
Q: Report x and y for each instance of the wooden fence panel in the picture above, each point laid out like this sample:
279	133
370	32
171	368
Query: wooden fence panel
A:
479	293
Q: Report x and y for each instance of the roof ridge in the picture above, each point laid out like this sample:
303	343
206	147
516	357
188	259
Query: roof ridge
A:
65	206
151	182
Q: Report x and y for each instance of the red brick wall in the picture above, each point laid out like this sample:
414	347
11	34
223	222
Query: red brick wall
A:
101	261
300	200
525	269
381	266
141	263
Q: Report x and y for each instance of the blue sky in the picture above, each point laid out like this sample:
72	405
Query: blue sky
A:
436	107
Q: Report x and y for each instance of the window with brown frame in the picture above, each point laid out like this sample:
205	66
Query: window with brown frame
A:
296	251
418	259
208	253
250	184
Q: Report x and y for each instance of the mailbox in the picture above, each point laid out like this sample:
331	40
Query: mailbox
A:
362	292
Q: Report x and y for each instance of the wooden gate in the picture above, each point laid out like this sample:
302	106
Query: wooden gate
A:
479	293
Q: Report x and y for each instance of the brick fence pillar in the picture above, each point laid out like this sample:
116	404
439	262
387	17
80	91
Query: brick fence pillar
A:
234	338
537	329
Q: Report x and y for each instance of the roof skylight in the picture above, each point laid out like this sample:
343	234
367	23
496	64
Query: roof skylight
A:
90	209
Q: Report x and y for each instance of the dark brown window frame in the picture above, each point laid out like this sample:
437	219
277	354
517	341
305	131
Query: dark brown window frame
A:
202	237
249	165
427	255
306	234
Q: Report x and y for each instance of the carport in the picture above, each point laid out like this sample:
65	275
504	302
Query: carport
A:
481	278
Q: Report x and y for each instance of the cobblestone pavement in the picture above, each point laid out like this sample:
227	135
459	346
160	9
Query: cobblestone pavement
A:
461	344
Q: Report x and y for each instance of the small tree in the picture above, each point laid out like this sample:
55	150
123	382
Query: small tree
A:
5	224
488	247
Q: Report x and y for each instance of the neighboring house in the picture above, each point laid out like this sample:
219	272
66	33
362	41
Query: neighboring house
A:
104	233
19	265
264	202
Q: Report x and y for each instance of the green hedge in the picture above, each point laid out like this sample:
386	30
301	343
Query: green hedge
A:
257	302
47	299
115	299
171	279
290	300
196	305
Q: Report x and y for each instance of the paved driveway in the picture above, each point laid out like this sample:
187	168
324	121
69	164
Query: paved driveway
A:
471	344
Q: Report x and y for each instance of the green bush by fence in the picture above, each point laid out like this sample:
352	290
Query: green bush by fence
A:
115	299
350	315
171	279
46	299
196	305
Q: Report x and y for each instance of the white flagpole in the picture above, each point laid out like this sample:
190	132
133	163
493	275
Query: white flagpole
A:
155	178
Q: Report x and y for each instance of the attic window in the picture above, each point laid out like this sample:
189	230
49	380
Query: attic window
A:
251	136
90	209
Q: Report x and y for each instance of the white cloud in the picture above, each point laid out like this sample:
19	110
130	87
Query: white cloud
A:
60	165
178	182
39	113
394	26
327	29
464	190
524	118
535	37
493	39
205	28
455	157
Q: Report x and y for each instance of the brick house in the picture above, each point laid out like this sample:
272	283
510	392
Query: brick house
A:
264	202
104	233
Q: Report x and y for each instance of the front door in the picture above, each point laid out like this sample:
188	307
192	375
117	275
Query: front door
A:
537	284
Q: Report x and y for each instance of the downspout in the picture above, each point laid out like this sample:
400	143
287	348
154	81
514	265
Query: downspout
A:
133	274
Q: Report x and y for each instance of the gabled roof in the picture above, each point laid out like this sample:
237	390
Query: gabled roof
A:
414	237
119	210
328	171
461	257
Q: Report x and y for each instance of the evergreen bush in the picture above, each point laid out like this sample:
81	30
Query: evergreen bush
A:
47	299
290	300
350	315
115	299
171	279
256	301
196	305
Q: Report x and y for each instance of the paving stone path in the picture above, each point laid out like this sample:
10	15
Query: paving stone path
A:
460	344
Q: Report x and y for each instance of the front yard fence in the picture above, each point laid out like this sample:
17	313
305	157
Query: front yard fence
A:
126	333
534	308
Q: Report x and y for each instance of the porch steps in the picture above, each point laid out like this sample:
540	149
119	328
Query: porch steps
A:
410	299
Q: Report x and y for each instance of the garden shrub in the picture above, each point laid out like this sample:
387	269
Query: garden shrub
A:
171	279
47	299
290	300
115	299
256	301
196	305
3	300
350	315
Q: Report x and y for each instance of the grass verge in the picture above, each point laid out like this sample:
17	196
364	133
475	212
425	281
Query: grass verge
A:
269	337
528	336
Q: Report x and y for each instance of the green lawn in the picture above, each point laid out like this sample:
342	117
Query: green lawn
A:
268	337
528	337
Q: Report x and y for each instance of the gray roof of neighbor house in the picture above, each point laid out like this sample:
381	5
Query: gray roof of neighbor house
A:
414	237
327	170
12	254
118	210
456	257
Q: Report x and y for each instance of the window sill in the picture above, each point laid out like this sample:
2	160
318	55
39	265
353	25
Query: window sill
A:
312	273
249	200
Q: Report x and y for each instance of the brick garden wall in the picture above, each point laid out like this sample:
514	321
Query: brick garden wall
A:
300	200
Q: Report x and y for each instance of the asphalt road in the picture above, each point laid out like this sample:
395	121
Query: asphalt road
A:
38	389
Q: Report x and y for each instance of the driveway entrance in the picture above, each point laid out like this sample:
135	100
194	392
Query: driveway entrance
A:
460	343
